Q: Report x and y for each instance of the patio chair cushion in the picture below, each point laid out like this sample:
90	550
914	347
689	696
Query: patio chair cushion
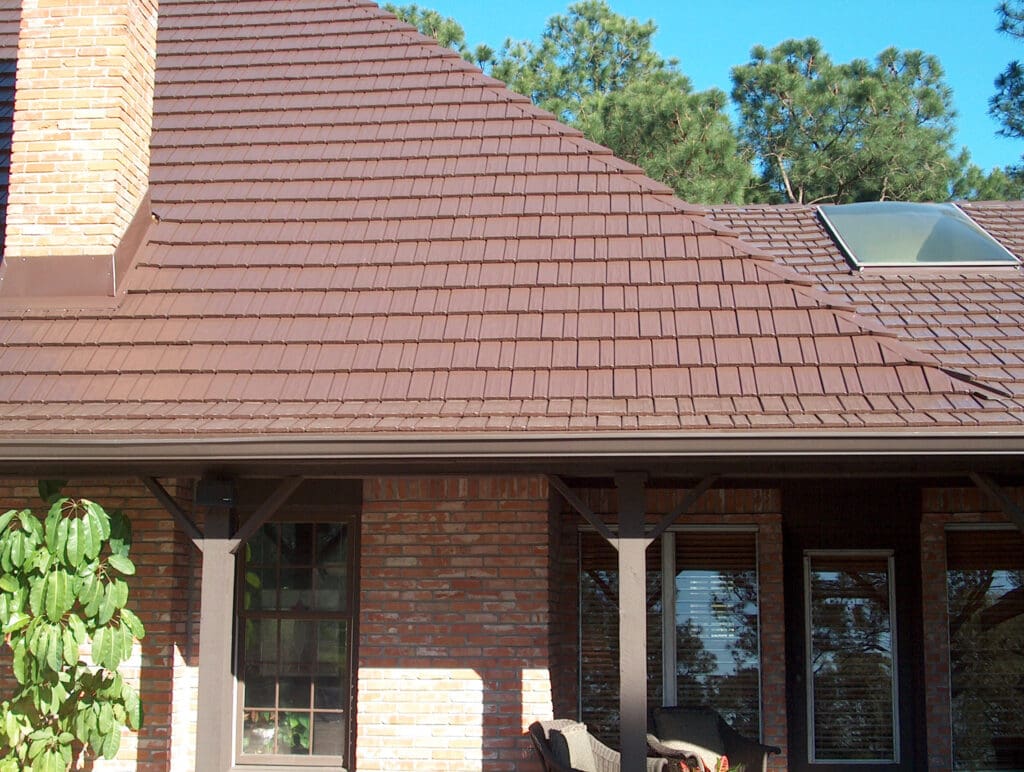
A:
571	746
700	730
698	727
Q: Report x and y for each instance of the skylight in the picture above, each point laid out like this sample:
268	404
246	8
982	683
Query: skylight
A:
893	234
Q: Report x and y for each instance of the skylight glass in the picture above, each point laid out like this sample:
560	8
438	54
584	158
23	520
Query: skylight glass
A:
890	233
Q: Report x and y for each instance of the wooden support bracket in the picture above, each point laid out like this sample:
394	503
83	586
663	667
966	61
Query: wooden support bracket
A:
992	489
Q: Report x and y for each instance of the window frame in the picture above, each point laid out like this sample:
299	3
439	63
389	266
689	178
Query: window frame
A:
890	556
313	514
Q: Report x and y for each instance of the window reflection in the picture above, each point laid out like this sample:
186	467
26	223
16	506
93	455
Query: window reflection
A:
985	583
851	658
295	640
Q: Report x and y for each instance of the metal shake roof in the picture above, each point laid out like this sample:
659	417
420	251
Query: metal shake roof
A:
359	233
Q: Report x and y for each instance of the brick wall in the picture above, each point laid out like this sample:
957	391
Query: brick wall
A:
453	643
82	123
158	596
941	508
727	506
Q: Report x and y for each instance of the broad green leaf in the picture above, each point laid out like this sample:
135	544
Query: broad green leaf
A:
59	599
17	555
59	547
104	645
122	564
15	622
127	641
70	646
120	590
134	623
30	524
88	589
111	743
75	551
11	727
51	527
132	705
8	583
106	718
89	533
60	698
108	605
36	747
49	760
120	533
18	660
77	629
54	649
99	516
6	518
36	596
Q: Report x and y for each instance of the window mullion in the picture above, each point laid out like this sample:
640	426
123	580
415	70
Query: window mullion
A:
668	618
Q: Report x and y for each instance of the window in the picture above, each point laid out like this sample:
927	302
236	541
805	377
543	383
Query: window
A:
717	651
985	587
890	233
296	620
702	627
851	657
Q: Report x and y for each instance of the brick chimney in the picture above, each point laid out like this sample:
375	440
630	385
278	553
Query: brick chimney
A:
83	112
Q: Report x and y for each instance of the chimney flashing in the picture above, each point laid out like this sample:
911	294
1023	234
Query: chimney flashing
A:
75	280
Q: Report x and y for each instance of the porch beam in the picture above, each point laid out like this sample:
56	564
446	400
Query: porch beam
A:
684	506
267	510
631	545
578	504
180	517
991	488
215	712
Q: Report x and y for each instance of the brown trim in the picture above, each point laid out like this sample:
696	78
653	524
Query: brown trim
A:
90	280
215	715
460	447
576	503
180	517
684	506
631	546
266	511
1009	507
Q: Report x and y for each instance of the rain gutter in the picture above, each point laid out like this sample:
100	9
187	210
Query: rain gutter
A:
508	446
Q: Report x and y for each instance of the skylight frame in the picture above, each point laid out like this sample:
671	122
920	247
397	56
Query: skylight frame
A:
938	211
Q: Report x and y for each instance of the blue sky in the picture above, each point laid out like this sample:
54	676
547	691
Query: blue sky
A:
709	38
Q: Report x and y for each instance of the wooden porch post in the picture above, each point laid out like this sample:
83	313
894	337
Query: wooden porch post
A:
631	545
215	715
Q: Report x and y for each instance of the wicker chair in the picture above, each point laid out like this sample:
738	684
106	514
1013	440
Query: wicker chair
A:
693	735
566	746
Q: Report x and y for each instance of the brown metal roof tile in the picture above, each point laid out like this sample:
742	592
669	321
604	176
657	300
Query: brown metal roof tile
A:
346	225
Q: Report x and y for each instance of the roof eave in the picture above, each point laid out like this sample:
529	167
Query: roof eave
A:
473	452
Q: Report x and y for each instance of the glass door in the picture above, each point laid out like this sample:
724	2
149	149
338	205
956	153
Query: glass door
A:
852	713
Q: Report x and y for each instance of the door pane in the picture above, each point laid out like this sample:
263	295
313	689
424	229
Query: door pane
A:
851	658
